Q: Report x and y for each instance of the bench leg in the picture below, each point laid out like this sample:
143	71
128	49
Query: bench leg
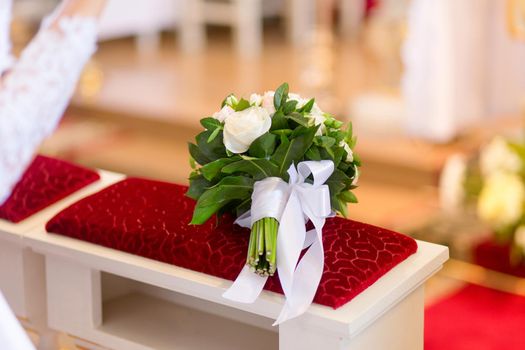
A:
293	335
73	296
400	328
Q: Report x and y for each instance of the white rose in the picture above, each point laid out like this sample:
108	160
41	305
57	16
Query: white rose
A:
349	153
498	156
501	199
224	113
451	183
242	128
519	238
256	99
267	102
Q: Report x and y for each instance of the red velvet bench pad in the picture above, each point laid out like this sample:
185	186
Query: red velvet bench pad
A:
150	219
44	183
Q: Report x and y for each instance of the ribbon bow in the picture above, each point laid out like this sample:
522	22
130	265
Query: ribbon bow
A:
292	204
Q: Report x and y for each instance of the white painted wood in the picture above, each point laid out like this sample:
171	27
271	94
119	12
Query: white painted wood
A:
77	304
400	328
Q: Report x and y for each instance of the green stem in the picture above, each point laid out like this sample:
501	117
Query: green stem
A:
262	248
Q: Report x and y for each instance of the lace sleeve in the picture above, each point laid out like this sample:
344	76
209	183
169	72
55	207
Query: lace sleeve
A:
36	90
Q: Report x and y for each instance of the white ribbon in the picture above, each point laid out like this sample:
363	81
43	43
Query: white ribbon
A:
292	204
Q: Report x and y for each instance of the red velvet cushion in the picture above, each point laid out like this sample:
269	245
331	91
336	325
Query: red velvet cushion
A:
150	219
45	182
496	256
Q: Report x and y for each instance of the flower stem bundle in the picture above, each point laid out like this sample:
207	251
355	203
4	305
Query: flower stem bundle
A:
262	249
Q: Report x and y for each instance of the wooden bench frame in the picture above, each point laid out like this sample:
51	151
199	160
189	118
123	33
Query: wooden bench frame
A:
101	296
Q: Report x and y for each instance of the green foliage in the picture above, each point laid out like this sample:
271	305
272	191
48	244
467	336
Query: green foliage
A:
229	189
242	105
263	146
280	96
292	151
223	182
258	169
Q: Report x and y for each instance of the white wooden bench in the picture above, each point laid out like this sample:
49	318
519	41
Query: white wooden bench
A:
123	301
106	298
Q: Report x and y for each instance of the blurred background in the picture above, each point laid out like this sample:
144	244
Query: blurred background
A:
421	80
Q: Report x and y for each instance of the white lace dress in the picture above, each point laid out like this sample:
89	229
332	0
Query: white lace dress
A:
36	87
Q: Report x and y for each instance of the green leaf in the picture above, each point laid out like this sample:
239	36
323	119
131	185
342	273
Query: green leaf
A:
198	185
339	152
313	153
337	182
280	96
338	135
214	134
289	107
292	151
210	123
349	132
257	168
337	124
263	146
324	141
243	207
302	130
229	189
283	132
339	206
212	169
196	154
214	149
299	119
348	197
193	164
279	121
242	105
307	108
357	159
352	142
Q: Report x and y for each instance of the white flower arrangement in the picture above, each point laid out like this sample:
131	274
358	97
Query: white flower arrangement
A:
494	184
275	161
249	140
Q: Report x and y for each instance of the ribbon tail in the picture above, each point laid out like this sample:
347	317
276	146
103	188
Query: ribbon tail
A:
305	280
246	288
290	240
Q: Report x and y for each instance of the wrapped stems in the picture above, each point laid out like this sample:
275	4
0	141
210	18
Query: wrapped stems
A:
262	249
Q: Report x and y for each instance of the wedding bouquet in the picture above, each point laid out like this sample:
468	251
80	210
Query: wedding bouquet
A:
275	161
493	184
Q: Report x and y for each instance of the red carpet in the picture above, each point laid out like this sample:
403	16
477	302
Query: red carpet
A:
476	318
